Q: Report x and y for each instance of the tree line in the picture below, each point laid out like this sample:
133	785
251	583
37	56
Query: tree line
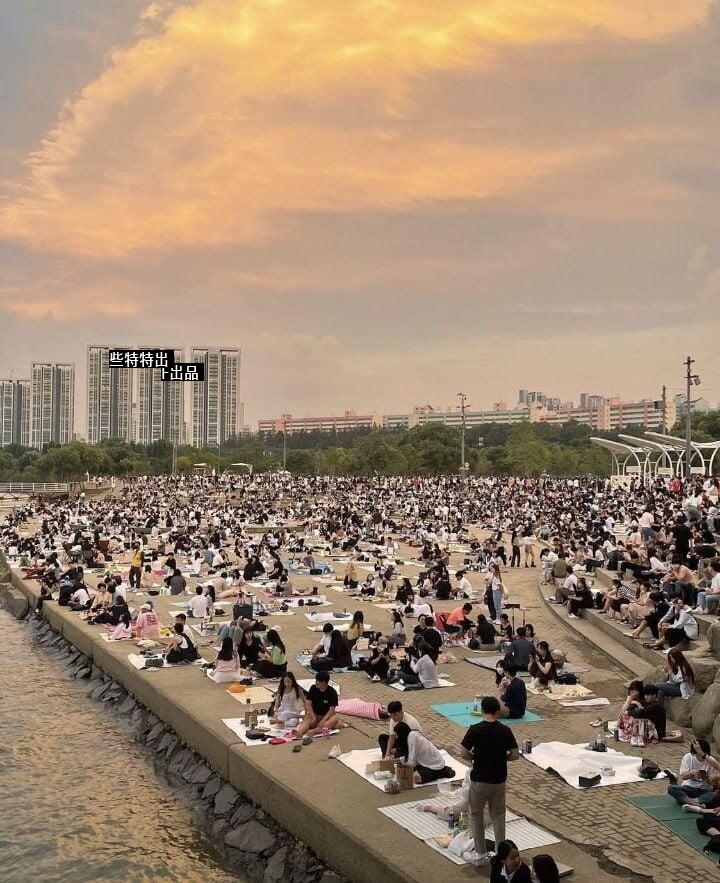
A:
494	449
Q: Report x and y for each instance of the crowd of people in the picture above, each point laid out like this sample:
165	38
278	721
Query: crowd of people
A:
208	537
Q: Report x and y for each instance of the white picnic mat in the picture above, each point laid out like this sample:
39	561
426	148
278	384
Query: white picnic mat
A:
358	760
341	627
571	761
257	696
237	676
328	617
580	703
106	636
306	683
138	661
443	683
294	601
558	692
237	725
428	827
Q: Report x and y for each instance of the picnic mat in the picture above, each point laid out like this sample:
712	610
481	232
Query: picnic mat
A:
667	813
581	703
559	692
571	761
428	827
304	660
358	760
237	725
460	713
443	682
491	660
328	617
257	696
138	661
106	636
294	601
340	626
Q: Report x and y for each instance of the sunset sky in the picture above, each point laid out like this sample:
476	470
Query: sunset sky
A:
383	202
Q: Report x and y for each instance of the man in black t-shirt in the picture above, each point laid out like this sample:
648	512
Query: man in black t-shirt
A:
513	694
490	745
321	701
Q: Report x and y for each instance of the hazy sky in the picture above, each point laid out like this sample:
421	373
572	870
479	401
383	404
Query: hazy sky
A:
383	202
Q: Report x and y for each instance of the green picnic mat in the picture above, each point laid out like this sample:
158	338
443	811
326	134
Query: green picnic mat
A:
668	814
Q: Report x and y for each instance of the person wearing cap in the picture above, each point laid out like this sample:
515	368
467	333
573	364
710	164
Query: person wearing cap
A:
146	624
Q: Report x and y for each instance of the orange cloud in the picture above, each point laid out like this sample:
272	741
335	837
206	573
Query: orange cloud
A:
225	117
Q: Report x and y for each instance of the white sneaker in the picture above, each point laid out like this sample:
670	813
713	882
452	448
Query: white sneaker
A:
572	616
473	858
335	752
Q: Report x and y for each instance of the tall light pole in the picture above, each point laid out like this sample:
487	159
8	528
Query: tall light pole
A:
690	378
664	410
284	442
463	467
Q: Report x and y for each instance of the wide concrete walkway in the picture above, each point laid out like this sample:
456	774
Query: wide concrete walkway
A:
335	812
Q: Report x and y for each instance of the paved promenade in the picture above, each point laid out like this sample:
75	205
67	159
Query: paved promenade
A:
335	812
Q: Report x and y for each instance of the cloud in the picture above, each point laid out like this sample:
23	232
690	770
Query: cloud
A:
225	122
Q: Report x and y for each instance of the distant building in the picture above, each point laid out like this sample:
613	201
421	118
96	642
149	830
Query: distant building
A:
109	397
217	410
15	412
160	405
697	406
347	421
52	403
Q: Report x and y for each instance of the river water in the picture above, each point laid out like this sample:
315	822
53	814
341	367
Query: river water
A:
79	798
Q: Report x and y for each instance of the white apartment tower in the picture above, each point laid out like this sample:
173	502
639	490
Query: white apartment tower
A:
217	412
109	397
15	412
160	404
52	403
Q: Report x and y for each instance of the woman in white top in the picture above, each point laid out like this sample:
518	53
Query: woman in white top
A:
423	671
413	749
680	678
289	704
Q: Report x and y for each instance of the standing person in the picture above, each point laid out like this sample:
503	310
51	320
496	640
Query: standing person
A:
515	543
529	547
489	745
137	559
497	588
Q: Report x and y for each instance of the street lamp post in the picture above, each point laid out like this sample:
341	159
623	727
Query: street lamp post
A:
690	378
463	465
284	442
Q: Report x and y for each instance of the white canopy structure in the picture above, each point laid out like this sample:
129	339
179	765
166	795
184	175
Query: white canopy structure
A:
658	454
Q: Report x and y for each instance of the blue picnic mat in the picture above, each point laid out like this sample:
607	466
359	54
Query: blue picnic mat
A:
460	713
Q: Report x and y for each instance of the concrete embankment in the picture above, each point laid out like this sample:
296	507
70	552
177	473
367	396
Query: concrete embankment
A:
305	794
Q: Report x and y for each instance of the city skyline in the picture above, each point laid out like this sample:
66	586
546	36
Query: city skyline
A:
409	200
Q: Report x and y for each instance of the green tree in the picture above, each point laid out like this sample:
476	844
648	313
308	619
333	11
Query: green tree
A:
524	453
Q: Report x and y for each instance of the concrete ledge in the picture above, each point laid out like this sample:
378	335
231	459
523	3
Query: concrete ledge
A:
14	601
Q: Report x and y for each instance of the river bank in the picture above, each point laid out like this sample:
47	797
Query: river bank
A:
83	798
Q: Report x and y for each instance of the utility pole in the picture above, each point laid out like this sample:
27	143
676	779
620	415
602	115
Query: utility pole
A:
463	467
690	378
664	409
284	442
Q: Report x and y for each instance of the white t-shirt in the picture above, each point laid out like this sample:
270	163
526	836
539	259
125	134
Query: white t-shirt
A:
199	605
688	764
407	719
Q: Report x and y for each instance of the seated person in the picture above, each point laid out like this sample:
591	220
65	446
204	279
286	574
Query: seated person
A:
418	670
513	694
199	604
378	666
542	667
580	599
321	702
284	585
181	647
461	802
521	651
123	629
458	620
80	599
545	868
367	589
339	654
249	646
147	625
692	784
505	628
413	749
227	663
484	633
507	866
273	660
289	704
397	636
356	629
427	631
323	645
398	715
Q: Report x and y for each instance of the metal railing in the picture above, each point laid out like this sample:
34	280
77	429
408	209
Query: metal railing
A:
31	487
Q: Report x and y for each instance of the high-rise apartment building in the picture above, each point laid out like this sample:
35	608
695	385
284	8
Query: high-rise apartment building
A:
217	412
15	412
160	405
109	397
52	407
